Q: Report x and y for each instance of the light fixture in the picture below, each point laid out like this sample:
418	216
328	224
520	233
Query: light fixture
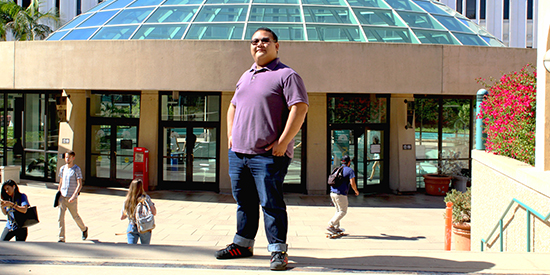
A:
546	61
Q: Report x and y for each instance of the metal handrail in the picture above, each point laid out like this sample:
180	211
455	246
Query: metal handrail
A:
500	224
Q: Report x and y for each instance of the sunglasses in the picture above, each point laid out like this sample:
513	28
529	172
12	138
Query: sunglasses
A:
264	40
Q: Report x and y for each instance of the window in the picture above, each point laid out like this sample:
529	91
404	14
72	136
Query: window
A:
115	105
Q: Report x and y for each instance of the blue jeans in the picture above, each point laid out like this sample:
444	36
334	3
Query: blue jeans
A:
258	180
134	235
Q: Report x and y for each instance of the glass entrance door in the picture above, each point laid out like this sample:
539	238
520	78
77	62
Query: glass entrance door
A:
190	155
111	154
365	147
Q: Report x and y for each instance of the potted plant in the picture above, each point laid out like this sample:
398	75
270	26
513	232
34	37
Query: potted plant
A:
448	169
462	211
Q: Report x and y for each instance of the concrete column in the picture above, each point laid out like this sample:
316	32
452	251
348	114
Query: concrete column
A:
518	23
67	11
87	5
542	146
148	132
450	3
316	173
74	129
225	181
402	162
494	17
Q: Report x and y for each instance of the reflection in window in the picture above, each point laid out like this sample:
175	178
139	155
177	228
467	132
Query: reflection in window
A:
275	14
441	140
115	33
357	109
187	107
283	31
390	35
80	34
160	32
115	105
215	31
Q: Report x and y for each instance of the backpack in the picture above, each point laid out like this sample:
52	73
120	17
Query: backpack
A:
336	177
145	220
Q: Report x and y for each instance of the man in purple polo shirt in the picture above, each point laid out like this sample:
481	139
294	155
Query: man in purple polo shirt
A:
266	112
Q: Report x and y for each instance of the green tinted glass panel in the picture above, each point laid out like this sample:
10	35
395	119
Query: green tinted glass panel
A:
476	28
452	24
215	31
420	20
131	16
98	19
470	39
493	42
275	14
160	31
324	2
182	2
227	1
389	35
369	3
80	34
275	1
328	15
333	33
378	17
115	33
222	14
283	31
403	5
435	37
142	3
173	14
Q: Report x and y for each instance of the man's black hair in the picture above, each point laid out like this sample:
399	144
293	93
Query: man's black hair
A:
269	31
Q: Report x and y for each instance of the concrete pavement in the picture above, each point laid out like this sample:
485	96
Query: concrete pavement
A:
387	234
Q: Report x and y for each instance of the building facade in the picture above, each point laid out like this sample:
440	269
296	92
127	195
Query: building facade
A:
514	22
405	104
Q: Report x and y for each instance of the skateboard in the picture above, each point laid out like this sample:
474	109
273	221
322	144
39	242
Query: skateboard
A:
336	235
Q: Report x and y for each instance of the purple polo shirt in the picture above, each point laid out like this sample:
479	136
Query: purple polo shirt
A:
262	99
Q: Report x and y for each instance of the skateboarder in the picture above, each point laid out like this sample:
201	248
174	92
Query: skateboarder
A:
339	196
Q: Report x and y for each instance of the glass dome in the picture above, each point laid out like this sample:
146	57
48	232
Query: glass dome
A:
393	21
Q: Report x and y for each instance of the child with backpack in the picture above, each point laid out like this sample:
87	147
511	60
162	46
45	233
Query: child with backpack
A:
140	211
339	194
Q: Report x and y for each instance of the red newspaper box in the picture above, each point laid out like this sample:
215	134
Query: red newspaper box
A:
141	166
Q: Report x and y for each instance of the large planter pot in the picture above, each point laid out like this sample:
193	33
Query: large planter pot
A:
437	185
460	183
461	235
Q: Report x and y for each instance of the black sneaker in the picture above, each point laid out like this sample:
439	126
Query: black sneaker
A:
279	260
233	251
85	234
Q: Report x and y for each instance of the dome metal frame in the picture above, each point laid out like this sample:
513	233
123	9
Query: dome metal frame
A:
386	21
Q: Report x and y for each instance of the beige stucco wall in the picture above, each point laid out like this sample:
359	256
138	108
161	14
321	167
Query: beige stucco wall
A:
496	181
316	168
148	132
402	162
74	129
184	65
7	59
225	181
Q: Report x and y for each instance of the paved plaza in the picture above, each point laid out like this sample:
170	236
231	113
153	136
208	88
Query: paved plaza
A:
386	234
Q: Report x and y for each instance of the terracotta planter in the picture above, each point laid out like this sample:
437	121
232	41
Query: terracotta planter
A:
461	234
437	185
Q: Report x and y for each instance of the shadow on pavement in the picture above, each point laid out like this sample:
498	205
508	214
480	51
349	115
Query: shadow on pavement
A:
168	256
